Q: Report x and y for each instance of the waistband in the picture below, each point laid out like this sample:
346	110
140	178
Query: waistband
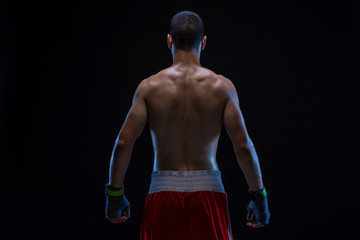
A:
186	181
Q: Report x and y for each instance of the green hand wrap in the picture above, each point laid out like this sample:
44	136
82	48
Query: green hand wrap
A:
116	203
259	206
115	192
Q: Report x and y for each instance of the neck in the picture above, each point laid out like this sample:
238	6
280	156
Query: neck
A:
182	57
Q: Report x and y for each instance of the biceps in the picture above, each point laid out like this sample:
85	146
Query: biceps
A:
135	121
234	123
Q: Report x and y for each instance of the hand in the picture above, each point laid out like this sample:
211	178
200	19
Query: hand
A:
117	208
120	219
249	217
258	208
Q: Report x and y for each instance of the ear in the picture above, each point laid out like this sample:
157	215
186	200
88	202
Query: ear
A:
169	41
203	42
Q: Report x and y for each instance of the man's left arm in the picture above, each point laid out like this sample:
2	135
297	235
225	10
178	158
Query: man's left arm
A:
133	125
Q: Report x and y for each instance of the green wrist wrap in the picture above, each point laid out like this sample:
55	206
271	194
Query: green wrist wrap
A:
116	203
114	192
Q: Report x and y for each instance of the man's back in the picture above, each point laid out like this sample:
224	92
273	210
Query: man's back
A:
185	107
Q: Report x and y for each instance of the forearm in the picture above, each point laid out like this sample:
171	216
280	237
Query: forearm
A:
249	164
119	163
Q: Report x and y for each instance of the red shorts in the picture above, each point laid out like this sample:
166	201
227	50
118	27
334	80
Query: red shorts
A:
187	214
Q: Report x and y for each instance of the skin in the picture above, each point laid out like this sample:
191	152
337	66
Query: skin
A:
186	106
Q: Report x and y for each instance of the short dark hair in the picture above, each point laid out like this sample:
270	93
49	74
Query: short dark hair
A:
186	29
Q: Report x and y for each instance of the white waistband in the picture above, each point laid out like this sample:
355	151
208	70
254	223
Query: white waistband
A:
186	181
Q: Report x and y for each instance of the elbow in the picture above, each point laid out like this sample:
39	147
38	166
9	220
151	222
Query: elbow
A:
123	143
244	147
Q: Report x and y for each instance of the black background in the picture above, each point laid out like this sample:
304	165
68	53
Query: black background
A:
68	74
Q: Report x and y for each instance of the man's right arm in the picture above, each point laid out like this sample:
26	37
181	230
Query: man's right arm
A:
244	148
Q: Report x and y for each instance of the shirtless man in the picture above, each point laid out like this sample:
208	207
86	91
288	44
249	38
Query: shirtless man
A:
186	106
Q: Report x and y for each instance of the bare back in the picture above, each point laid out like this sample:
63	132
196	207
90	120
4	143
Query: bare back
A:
185	107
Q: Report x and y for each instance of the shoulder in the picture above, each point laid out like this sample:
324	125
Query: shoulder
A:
227	89
227	83
224	83
156	81
147	85
142	88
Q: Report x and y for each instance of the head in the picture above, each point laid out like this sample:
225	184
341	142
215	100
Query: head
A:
186	32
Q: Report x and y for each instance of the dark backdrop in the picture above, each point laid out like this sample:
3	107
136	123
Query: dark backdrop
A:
69	72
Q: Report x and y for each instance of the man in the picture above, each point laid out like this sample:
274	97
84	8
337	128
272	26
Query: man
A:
186	106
